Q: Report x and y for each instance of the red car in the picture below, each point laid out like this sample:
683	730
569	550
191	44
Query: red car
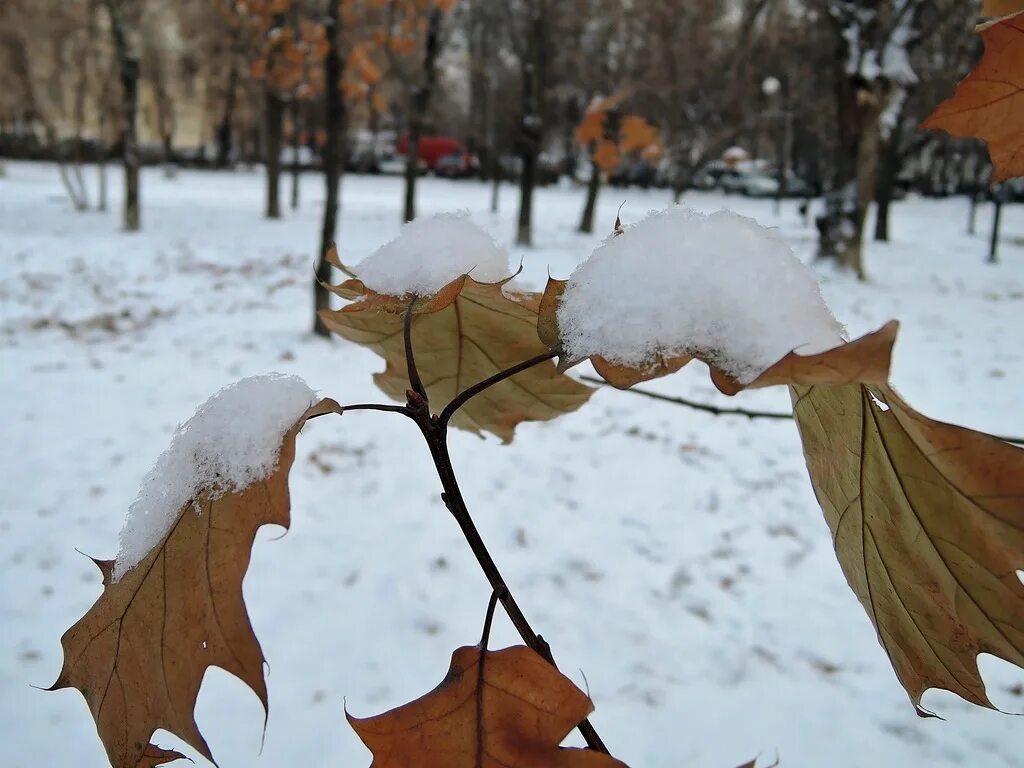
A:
433	148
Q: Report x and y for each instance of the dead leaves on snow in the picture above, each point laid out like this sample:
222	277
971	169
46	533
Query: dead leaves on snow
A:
138	656
507	708
463	334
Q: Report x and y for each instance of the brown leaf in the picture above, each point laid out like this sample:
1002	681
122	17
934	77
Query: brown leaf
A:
928	524
865	360
154	756
989	102
494	709
139	654
463	334
996	8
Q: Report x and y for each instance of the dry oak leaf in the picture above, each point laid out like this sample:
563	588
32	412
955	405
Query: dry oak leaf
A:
138	656
997	8
866	359
927	520
989	103
494	709
461	335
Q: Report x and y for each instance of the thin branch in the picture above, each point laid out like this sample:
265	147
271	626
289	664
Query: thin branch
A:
376	407
410	359
698	406
435	431
468	394
485	636
737	411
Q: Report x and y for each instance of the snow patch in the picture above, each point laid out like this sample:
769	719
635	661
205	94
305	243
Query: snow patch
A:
681	281
431	252
231	442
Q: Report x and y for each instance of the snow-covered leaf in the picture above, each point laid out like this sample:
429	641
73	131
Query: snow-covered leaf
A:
463	334
138	656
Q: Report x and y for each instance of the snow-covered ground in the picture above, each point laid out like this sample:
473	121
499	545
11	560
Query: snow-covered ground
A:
676	559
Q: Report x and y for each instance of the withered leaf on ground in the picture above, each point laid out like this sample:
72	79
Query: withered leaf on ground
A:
866	359
138	656
464	334
494	709
928	525
989	103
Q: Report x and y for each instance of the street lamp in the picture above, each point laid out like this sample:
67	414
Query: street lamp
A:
771	87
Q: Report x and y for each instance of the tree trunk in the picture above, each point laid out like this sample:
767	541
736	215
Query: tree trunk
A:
531	129
224	127
841	228
420	102
129	66
274	132
593	186
296	169
334	118
884	190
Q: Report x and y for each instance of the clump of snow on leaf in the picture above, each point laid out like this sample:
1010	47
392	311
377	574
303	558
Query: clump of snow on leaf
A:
431	252
231	442
684	282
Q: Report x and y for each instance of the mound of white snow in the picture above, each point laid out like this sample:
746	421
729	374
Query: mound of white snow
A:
231	442
431	252
682	282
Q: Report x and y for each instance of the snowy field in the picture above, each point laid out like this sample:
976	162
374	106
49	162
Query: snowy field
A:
676	559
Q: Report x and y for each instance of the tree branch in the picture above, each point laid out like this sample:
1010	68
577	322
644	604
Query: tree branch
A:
706	407
467	394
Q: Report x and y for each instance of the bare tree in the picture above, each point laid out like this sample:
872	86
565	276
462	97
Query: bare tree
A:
333	152
128	65
419	101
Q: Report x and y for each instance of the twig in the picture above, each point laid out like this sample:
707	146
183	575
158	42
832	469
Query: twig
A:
410	359
485	636
435	432
467	394
698	406
738	411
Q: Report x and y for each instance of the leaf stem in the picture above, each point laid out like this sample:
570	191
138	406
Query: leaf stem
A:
376	407
415	382
469	393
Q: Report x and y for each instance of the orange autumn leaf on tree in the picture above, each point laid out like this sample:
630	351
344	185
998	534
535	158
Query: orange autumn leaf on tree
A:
494	709
636	134
989	103
139	654
606	156
591	127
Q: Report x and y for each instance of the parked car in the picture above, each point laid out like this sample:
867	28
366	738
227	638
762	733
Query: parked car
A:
758	185
457	165
393	164
432	148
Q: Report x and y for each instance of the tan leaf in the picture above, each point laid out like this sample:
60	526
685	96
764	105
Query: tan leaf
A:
494	709
138	656
865	360
928	524
989	102
462	335
154	756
